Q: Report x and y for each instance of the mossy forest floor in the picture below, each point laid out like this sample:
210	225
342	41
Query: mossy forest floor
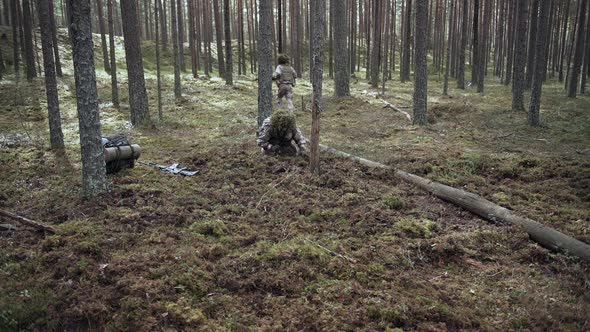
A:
249	243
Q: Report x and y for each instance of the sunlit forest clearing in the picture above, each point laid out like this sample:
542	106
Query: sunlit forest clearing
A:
259	242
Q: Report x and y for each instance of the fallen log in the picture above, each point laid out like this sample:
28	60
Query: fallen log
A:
25	221
543	235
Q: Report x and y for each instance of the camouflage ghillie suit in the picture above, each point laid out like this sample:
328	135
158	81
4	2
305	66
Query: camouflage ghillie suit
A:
279	135
286	77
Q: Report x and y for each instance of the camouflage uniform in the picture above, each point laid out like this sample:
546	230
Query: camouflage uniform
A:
286	77
290	142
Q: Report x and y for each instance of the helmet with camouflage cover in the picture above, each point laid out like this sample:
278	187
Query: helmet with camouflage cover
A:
281	122
283	59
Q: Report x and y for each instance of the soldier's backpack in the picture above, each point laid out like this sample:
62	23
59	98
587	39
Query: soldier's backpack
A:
287	75
122	159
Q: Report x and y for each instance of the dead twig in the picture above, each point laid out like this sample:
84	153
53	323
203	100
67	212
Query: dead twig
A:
39	226
352	260
395	108
273	187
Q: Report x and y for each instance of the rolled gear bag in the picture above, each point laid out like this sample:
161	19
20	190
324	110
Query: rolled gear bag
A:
119	153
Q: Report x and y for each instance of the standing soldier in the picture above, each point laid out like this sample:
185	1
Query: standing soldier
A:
285	77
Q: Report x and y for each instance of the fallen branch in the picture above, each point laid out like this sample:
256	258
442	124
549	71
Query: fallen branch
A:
25	221
395	108
545	236
352	260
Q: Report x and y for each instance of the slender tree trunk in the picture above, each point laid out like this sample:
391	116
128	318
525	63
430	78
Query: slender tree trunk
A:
138	101
180	31
519	84
219	38
376	51
228	51
448	55
15	43
105	53
319	22
55	42
114	87
563	39
55	132
586	59
176	51
164	25
342	77
93	164
28	38
475	58
405	75
264	60
510	45
538	77
386	36
579	51
483	54
530	67
461	69
157	7
420	65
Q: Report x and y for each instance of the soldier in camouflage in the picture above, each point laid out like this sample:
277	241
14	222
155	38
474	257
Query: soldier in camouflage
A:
285	76
279	135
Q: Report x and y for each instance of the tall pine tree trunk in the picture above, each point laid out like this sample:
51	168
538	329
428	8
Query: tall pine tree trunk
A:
53	28
219	38
138	101
264	60
579	51
157	7
28	38
539	74
376	51
420	65
461	68
176	48
114	87
15	43
518	82
405	71
229	80
55	133
342	77
319	23
105	53
93	165
530	67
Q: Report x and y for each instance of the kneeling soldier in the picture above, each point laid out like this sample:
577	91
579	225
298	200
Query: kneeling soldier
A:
279	135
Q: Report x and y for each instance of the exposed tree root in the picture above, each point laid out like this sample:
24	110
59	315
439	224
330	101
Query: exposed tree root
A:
26	221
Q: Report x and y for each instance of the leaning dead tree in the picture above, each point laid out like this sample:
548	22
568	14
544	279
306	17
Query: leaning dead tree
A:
545	236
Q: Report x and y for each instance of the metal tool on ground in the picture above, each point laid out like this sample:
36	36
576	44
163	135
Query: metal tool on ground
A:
172	169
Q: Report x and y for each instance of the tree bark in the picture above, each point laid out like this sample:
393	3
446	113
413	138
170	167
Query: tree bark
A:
175	47
180	24
157	7
448	55
579	53
376	51
15	43
114	87
138	101
342	76
420	65
543	235
93	164
229	80
461	69
539	74
405	71
483	53
518	82
219	38
265	69
105	53
475	58
28	41
317	71
55	133
530	67
55	42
